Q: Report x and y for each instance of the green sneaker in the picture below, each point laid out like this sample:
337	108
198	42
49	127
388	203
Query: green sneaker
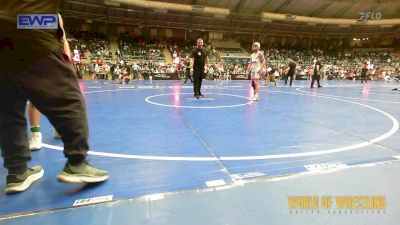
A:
83	173
21	182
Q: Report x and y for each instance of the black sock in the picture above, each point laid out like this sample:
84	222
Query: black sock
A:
76	159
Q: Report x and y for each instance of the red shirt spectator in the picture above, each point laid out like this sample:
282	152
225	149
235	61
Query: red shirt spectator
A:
99	62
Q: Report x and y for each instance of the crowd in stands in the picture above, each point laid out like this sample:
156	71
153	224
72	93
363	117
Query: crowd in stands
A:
132	47
123	71
137	58
90	44
183	51
383	66
337	64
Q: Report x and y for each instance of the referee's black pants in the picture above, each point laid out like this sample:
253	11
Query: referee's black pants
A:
198	78
363	77
315	78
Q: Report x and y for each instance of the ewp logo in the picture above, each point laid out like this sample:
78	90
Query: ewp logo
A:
37	21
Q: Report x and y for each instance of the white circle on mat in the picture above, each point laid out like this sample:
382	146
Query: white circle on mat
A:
149	100
386	135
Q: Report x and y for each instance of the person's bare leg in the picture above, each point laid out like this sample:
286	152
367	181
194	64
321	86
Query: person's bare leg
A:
34	121
34	116
257	89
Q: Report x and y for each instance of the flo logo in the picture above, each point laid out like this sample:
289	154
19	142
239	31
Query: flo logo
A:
370	16
37	21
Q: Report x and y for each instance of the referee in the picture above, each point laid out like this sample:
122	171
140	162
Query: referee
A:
364	72
316	74
200	60
291	70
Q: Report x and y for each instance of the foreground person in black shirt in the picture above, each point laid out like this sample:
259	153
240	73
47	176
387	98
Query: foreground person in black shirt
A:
35	65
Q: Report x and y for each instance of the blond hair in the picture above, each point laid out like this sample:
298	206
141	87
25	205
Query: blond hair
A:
257	44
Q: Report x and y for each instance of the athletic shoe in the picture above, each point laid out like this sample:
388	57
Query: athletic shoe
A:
196	96
36	141
395	89
255	97
21	182
82	173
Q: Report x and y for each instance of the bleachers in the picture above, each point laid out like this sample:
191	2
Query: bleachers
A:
150	55
91	45
133	48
